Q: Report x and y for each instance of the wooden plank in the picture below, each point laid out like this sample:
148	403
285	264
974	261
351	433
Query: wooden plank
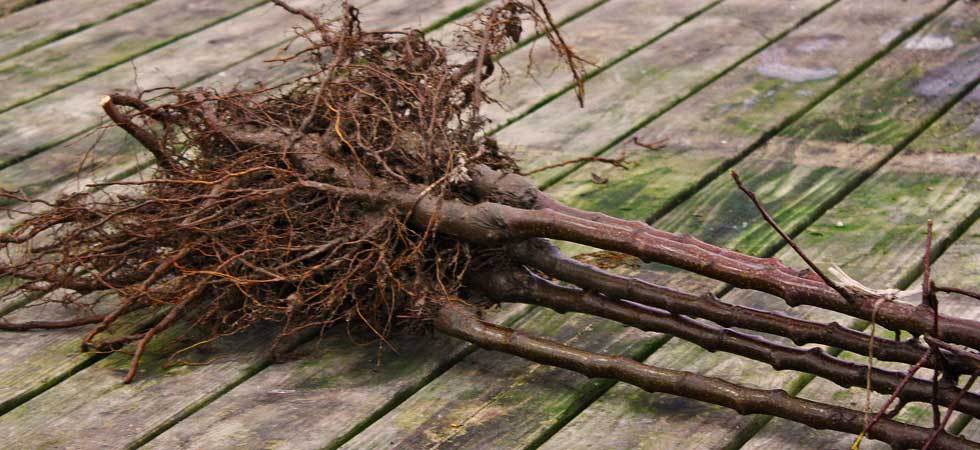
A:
36	126
56	19
873	234
58	171
493	400
650	81
146	422
936	177
347	385
960	265
732	117
82	55
609	35
94	410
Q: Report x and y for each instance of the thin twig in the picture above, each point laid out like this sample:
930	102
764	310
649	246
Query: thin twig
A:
772	222
617	162
652	146
905	381
953	290
949	411
926	268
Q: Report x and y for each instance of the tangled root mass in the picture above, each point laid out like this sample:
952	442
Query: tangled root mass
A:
228	232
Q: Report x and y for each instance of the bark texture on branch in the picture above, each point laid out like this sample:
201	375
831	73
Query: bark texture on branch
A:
464	324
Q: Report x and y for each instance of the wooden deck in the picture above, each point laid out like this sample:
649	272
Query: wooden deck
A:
855	121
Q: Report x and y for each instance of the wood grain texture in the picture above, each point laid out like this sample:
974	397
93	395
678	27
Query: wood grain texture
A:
35	126
55	19
84	54
727	120
650	81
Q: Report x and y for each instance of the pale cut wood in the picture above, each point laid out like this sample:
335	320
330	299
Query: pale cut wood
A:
52	20
84	54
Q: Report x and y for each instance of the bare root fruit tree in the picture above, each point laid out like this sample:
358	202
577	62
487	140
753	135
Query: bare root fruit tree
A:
367	192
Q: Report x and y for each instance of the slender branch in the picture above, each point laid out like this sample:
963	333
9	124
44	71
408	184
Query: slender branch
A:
949	412
953	290
517	285
463	324
799	251
544	256
896	394
616	162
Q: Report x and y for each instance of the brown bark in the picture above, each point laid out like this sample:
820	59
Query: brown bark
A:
463	324
517	285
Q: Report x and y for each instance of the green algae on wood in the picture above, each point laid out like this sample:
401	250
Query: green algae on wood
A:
735	115
875	234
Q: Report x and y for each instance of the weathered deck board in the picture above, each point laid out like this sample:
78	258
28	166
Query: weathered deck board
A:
605	37
45	70
52	20
346	385
731	117
94	410
37	360
651	80
880	245
937	178
493	400
961	260
36	126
